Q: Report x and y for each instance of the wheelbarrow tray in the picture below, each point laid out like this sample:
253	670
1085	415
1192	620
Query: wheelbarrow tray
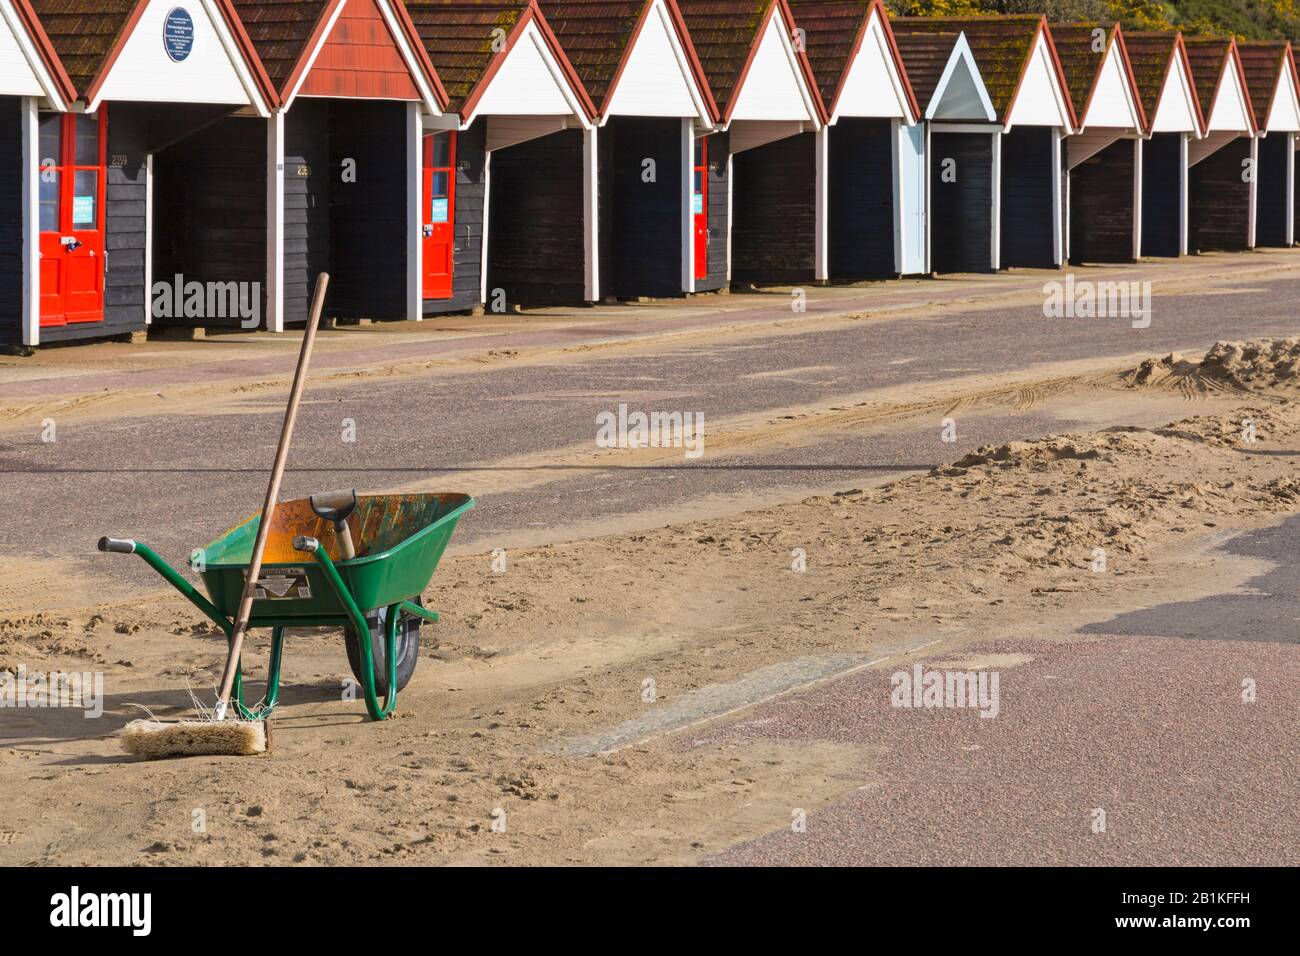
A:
400	539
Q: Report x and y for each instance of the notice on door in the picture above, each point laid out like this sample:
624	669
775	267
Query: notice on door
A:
83	210
438	211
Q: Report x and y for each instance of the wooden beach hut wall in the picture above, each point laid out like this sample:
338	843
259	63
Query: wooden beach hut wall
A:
1275	97
1017	62
763	167
342	154
636	61
1173	115
117	201
870	208
960	152
33	87
1104	158
1221	191
520	142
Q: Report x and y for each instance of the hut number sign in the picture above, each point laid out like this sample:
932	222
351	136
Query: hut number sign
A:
178	34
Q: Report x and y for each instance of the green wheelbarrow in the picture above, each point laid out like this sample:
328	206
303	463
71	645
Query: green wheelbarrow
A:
313	575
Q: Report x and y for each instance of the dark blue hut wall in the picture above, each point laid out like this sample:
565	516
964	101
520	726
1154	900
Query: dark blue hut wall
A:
774	231
368	219
861	186
307	177
1270	209
641	222
467	253
1101	205
961	224
11	221
719	219
535	226
1220	199
1162	195
209	205
1027	203
126	212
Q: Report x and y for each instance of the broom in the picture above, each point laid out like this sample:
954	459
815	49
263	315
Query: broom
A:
218	734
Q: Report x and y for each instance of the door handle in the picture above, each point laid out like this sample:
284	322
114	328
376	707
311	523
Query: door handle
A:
428	232
70	243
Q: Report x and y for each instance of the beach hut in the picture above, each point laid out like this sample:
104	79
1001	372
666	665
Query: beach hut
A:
635	60
518	153
1104	157
1270	71
762	166
1221	190
1173	115
870	204
1017	63
342	153
116	200
960	151
34	90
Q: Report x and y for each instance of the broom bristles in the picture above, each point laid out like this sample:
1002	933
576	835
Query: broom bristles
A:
183	738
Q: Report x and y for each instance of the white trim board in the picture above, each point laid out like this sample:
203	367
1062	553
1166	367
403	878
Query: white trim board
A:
657	79
774	87
1176	107
873	86
529	83
960	93
1040	100
1113	104
22	71
214	72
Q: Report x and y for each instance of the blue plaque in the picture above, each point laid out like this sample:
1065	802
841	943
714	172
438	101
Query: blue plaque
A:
178	34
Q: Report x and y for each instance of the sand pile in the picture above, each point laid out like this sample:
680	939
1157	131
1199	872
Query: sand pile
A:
1254	366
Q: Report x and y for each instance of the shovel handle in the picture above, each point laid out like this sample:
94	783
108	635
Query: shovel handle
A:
272	495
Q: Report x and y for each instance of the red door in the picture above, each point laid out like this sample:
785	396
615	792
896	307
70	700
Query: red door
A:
72	217
439	213
700	206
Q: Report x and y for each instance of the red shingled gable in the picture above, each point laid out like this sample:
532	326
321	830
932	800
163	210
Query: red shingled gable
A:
1209	57
1265	62
1152	56
1082	64
49	55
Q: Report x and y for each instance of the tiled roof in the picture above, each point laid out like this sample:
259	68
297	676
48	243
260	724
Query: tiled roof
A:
1150	54
1001	46
925	53
1075	46
724	32
280	31
83	33
1262	61
831	29
1207	56
458	36
595	35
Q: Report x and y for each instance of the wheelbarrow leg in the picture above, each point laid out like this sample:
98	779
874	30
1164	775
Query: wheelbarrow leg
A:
362	629
272	695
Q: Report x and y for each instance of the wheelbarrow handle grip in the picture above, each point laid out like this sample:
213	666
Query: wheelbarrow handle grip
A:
117	545
303	543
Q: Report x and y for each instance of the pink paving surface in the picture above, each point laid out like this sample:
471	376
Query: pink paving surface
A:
1152	730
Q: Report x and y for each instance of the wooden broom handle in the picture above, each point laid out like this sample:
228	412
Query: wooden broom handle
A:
272	495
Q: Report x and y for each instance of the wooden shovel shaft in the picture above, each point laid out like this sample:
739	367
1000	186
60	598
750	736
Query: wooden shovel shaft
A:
272	496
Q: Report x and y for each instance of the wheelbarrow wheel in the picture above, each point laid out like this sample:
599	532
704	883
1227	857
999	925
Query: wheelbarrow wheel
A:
408	649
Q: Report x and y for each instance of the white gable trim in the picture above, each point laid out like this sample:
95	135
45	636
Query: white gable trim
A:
1284	109
961	58
137	72
509	92
1176	107
873	85
403	45
1231	110
1040	99
750	102
28	77
635	93
1113	104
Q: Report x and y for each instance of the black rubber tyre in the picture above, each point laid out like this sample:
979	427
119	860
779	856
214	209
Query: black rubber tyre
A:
408	649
